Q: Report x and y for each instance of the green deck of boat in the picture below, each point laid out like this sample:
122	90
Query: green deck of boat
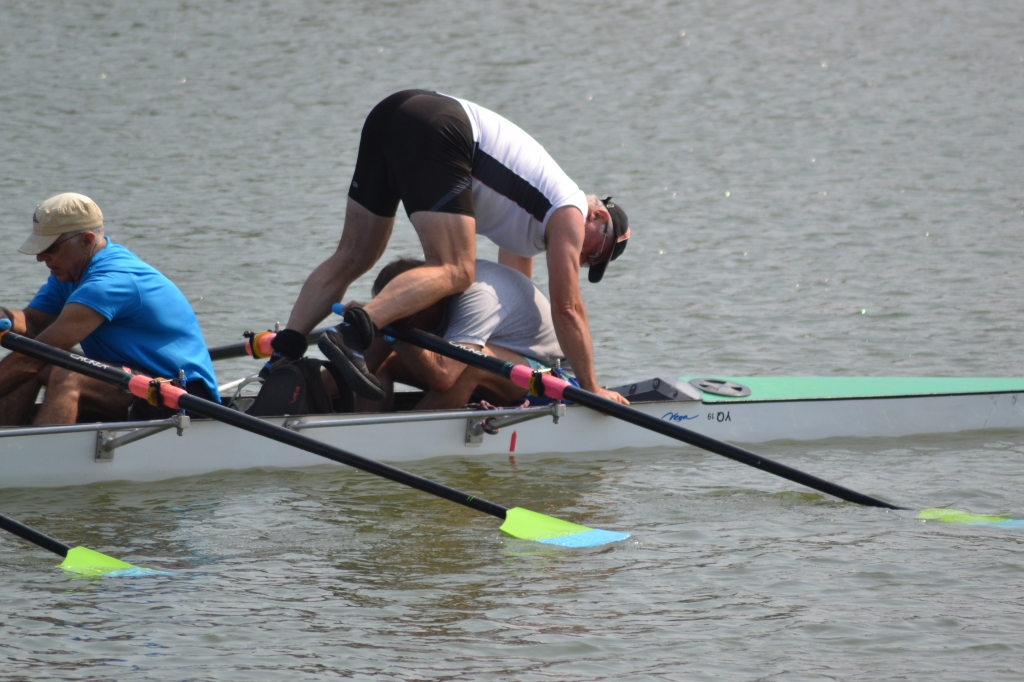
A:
824	388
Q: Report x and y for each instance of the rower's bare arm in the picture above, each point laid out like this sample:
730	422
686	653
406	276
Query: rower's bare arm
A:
74	323
434	371
34	321
516	262
28	322
564	242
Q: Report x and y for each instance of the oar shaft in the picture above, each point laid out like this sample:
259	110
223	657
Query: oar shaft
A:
633	416
67	360
241	349
288	437
176	397
34	536
647	421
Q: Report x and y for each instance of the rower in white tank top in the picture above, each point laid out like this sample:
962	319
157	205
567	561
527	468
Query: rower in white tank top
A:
459	170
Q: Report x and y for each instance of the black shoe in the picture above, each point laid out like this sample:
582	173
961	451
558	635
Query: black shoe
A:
350	363
358	329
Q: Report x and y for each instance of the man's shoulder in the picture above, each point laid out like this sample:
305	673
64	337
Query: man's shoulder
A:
115	257
489	271
117	262
507	287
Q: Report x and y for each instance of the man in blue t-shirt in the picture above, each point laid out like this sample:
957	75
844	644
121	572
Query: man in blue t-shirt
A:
119	309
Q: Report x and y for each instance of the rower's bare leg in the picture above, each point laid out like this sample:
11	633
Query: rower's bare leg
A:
496	389
387	381
70	395
380	359
389	371
363	240
16	406
449	248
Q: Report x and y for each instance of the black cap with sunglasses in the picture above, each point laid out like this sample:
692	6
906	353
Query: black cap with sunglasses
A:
620	232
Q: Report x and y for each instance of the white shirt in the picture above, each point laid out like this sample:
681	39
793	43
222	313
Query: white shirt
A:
516	184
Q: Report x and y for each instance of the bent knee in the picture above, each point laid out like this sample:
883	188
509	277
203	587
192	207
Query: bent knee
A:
43	375
59	376
63	382
349	263
461	276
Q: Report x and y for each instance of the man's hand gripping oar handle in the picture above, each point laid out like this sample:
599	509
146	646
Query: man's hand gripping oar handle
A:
546	384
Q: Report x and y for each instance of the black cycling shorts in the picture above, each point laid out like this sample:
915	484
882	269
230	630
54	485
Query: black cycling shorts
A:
417	148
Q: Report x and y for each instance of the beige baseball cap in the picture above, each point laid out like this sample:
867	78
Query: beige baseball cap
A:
67	212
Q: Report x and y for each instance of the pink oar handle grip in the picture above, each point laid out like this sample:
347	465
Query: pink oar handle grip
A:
553	386
169	394
259	345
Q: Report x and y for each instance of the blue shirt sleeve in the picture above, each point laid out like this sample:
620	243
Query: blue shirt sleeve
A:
112	294
51	297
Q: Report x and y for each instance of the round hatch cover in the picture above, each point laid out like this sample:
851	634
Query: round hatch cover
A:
721	387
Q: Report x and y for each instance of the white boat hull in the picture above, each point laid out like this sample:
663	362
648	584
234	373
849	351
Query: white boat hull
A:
48	459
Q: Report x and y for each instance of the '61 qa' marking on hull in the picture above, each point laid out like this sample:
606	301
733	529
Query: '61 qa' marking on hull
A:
719	417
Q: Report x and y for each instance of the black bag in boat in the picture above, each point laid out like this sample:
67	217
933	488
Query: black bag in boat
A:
295	387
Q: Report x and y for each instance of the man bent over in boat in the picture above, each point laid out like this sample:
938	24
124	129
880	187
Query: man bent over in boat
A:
502	314
122	312
460	170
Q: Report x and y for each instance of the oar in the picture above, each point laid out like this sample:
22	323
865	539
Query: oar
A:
256	345
80	560
488	363
518	522
546	384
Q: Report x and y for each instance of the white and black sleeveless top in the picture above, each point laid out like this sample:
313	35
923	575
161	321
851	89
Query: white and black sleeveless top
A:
516	184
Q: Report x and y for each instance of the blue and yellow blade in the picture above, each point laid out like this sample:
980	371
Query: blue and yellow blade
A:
957	516
528	525
93	564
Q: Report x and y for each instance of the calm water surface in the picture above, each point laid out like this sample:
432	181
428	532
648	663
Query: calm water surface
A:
816	188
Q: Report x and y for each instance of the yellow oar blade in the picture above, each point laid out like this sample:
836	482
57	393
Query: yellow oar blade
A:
957	516
528	525
87	562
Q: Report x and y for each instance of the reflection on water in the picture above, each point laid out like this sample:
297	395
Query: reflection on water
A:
289	573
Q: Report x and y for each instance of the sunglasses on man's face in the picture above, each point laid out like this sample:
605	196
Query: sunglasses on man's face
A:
53	247
595	258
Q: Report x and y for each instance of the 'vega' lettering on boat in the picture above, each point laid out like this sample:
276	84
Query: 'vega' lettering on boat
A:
676	417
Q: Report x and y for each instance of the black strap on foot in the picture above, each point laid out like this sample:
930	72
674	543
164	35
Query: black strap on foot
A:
361	330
